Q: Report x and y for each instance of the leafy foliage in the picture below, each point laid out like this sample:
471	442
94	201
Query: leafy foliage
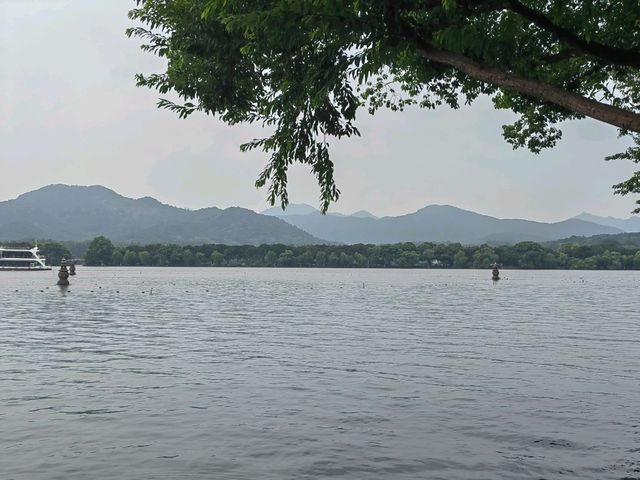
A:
303	68
633	184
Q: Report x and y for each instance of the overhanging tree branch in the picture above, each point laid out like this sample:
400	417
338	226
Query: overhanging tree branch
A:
570	101
616	55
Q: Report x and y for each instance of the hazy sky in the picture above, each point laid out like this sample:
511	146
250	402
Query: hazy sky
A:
70	113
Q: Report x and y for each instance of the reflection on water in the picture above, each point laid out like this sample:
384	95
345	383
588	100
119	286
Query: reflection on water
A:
290	374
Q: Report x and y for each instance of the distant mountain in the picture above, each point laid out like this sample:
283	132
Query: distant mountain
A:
631	224
363	214
292	209
440	223
305	209
62	212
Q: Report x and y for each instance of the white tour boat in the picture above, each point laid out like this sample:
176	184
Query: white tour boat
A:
21	259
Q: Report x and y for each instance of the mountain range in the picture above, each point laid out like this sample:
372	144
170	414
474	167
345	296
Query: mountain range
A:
435	223
63	212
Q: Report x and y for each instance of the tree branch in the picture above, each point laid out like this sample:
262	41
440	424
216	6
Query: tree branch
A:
555	58
616	55
570	101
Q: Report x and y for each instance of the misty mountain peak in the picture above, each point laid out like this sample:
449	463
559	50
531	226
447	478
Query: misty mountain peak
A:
292	209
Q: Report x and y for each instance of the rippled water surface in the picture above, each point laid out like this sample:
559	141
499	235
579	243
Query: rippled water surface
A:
305	374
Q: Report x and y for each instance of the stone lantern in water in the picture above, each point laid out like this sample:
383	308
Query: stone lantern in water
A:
495	273
63	274
72	268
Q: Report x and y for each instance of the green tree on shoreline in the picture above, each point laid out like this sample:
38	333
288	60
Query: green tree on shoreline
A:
100	252
524	255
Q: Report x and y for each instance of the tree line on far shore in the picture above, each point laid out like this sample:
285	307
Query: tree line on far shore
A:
525	255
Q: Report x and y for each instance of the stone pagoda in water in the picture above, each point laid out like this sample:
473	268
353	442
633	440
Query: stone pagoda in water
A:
63	274
495	273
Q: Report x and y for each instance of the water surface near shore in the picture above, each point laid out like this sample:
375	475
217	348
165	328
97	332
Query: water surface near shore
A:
302	374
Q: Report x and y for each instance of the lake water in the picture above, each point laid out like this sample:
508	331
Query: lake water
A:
309	374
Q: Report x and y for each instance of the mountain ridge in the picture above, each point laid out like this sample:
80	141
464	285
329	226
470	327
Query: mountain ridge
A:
629	225
441	223
74	212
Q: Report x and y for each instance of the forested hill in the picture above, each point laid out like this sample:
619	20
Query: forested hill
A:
62	212
629	241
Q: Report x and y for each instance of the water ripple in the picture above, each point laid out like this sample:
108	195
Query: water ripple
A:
305	374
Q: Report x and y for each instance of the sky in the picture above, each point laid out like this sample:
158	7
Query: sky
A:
70	113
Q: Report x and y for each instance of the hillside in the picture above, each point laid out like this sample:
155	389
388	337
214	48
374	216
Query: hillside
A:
62	212
628	241
630	225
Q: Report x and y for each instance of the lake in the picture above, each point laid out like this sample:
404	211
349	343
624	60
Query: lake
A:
206	373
